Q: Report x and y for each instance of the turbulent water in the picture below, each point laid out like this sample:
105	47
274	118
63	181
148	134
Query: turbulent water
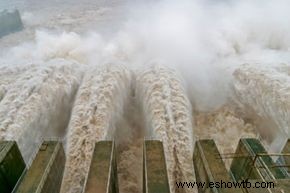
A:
264	93
168	118
129	70
98	105
226	127
37	103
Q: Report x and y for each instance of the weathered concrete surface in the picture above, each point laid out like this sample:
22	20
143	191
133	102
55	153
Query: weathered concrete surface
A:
251	161
103	170
155	178
209	167
46	172
11	165
10	22
286	150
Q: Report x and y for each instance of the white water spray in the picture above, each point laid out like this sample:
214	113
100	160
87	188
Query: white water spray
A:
38	104
98	106
167	111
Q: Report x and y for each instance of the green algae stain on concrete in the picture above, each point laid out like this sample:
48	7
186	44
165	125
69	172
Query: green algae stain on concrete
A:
155	170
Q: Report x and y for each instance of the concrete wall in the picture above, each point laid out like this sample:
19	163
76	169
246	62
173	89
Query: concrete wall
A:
10	22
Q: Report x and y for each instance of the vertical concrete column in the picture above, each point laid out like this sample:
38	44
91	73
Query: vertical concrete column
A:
10	22
155	178
281	185
284	160
12	165
102	177
251	161
210	168
46	172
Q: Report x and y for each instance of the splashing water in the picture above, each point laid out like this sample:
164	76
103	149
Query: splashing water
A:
98	105
38	103
263	93
168	117
204	41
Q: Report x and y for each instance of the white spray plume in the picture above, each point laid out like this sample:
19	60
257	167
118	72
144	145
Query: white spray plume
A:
199	38
203	39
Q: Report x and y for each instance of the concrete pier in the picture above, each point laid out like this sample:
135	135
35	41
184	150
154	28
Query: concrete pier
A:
286	157
46	172
210	168
155	178
10	21
12	166
251	161
102	177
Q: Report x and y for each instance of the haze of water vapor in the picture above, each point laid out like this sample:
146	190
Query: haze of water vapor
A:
205	40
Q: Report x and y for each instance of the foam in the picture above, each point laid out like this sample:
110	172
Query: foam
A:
168	118
98	106
37	104
263	93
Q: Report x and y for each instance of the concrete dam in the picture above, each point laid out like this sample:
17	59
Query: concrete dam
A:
144	96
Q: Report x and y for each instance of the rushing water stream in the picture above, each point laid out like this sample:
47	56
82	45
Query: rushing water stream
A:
128	70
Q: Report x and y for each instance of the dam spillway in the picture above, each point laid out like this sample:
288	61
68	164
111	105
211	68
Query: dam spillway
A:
135	96
47	169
